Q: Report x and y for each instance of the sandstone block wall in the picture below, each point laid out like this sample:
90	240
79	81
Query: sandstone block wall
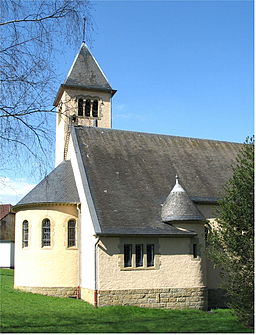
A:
173	298
51	291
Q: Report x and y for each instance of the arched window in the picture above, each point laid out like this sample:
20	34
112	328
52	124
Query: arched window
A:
46	233
87	107
95	108
25	234
80	107
71	233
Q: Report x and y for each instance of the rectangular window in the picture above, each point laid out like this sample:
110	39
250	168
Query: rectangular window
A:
139	255
127	255
194	250
150	255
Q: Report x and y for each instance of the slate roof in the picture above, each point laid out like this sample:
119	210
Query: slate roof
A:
86	72
58	187
179	207
130	175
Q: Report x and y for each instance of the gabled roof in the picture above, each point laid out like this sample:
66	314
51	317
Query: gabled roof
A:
58	187
129	174
179	207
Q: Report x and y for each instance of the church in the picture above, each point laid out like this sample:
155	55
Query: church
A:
123	218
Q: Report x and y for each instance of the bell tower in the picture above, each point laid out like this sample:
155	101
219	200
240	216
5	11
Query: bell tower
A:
84	99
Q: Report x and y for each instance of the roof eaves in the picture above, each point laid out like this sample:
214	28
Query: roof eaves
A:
18	207
166	234
87	88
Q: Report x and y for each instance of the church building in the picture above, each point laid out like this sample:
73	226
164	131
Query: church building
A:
123	217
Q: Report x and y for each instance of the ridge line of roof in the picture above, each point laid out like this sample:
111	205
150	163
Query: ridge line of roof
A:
156	134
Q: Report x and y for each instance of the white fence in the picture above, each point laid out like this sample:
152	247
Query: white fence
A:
6	254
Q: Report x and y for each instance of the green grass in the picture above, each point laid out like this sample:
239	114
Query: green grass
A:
34	313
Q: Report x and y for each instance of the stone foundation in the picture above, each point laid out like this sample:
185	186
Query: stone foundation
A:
66	292
173	298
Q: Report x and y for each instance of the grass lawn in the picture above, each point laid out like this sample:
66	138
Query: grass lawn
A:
34	313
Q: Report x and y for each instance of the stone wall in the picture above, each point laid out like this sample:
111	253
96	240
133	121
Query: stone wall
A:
66	292
173	298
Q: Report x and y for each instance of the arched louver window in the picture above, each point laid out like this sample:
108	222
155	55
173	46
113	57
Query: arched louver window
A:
87	107
80	107
46	233
95	108
25	234
71	233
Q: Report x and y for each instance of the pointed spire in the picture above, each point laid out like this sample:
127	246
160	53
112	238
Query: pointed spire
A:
179	207
86	73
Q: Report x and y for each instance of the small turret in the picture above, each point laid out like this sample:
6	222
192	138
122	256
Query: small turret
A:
179	207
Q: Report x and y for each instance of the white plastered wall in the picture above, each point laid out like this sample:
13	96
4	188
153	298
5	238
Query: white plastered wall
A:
87	232
53	266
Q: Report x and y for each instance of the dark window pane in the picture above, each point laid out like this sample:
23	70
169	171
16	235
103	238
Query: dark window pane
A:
46	233
71	233
87	107
139	255
150	254
80	107
127	255
194	250
95	108
25	234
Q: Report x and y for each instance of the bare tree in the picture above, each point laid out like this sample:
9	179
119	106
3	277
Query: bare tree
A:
31	35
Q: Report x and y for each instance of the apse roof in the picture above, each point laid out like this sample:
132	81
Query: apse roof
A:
58	187
179	207
130	174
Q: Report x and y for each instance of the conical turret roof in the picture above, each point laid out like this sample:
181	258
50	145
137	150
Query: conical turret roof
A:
179	207
86	72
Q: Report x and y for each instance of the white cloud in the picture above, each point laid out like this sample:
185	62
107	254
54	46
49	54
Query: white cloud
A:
11	191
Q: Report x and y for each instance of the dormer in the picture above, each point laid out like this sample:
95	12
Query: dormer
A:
83	99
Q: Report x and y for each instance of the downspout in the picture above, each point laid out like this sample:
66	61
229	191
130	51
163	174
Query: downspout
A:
79	250
95	273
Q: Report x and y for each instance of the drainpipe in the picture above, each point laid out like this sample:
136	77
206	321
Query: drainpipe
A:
95	273
78	206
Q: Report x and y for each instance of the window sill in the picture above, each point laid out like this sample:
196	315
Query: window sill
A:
139	268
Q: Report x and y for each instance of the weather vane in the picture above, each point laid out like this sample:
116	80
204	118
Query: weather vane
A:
84	30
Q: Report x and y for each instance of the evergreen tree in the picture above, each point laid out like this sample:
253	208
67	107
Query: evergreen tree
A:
232	240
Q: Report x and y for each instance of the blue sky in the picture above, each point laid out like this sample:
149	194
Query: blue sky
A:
182	68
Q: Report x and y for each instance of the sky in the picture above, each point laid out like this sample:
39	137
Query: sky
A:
182	68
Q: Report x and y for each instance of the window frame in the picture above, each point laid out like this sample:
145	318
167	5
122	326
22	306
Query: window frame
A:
46	242
150	250
139	255
138	241
25	234
127	252
74	229
89	107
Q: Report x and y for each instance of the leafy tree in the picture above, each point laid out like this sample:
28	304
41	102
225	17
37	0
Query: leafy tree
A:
33	34
232	241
